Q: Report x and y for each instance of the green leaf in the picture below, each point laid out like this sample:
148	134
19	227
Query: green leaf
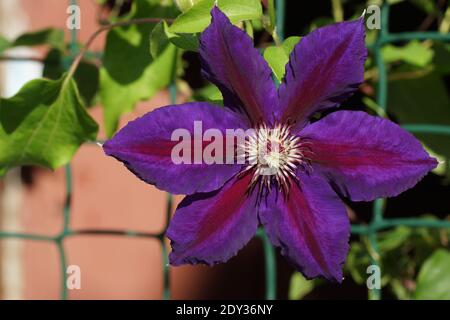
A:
4	44
413	53
398	289
393	239
426	5
43	124
129	73
357	262
158	40
289	44
433	281
441	57
52	37
198	17
86	75
300	286
185	5
392	2
186	41
161	37
209	93
422	100
278	56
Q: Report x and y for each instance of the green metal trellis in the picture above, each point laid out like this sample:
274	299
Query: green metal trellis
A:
377	223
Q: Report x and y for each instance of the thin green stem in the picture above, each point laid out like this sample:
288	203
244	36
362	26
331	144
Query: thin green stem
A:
270	264
272	15
280	16
338	11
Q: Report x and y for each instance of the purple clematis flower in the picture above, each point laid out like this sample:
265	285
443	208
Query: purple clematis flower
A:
345	154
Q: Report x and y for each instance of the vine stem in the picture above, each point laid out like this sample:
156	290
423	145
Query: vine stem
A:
91	39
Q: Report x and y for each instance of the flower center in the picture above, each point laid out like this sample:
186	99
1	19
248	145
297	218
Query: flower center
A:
274	155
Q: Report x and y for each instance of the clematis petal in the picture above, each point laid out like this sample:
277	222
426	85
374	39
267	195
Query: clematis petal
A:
145	147
230	61
311	227
211	228
366	157
324	69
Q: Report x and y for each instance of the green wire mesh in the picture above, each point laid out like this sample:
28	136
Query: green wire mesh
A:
377	223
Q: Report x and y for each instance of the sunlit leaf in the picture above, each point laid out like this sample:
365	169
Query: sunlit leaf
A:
300	286
209	93
43	124
129	73
289	44
185	5
278	56
198	17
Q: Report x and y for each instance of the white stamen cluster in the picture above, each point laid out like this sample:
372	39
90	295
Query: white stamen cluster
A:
274	155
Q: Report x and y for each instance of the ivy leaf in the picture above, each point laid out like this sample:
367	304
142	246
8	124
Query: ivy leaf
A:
278	56
129	73
51	36
86	75
43	124
300	286
198	17
433	281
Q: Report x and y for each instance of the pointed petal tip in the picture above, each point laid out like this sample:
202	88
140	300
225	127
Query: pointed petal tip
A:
215	10
363	15
337	278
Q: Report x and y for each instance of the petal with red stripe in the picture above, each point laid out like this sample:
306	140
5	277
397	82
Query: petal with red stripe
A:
145	146
212	227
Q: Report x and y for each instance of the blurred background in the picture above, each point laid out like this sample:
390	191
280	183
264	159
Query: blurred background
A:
106	197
